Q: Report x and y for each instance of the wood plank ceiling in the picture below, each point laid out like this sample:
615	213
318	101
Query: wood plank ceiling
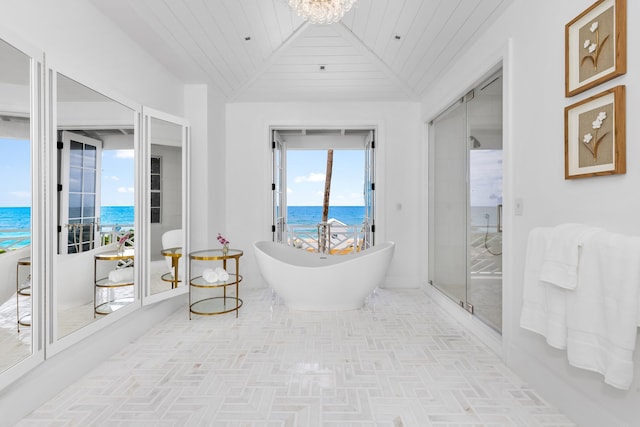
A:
260	50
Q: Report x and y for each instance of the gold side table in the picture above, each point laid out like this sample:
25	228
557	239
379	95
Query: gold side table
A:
23	289
173	278
218	304
104	283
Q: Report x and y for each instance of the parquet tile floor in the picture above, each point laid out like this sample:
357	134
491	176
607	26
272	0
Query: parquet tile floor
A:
400	361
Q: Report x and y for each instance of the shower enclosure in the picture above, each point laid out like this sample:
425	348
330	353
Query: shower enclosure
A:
465	202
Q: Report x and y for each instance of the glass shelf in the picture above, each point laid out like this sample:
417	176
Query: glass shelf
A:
216	305
215	255
201	283
111	306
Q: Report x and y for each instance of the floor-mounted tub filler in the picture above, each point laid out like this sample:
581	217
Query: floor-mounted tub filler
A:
318	282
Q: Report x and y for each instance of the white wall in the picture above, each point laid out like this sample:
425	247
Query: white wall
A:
530	36
218	171
248	174
205	111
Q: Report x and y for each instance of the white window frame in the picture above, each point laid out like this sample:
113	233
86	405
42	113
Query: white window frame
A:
69	226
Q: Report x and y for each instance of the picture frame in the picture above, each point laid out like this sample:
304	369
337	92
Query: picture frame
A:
594	135
595	46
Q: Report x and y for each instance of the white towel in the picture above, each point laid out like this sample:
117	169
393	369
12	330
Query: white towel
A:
560	266
602	312
217	275
543	305
210	275
121	275
222	274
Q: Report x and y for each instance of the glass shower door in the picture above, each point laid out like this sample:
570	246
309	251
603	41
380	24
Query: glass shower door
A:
448	203
485	236
484	119
465	202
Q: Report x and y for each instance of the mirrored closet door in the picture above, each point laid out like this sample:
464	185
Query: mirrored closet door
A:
166	146
21	226
94	226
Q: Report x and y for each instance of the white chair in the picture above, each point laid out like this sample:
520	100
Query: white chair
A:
173	239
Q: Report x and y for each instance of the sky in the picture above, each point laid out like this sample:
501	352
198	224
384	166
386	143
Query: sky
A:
15	175
117	178
306	172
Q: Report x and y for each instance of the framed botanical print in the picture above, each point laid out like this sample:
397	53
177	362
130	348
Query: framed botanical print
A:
594	135
595	46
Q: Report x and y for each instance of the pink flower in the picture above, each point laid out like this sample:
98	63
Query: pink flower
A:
124	238
222	240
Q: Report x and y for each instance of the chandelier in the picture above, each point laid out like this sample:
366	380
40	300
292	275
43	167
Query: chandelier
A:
321	11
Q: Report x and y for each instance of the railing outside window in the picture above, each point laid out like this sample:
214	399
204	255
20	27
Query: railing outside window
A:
16	238
330	238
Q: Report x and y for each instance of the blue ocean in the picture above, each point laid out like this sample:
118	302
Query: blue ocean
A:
303	215
15	218
116	215
20	219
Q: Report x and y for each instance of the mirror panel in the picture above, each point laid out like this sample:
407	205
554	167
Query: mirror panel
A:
93	270
166	146
17	295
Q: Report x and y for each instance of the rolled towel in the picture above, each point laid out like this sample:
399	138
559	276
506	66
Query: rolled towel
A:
121	275
211	276
222	274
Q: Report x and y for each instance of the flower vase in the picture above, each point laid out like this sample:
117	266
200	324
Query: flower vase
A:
225	250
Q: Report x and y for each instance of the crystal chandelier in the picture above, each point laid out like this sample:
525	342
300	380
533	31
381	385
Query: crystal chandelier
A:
321	11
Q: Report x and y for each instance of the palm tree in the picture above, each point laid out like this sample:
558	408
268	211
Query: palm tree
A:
324	237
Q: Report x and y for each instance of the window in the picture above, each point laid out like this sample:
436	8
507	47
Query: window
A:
156	189
299	160
79	192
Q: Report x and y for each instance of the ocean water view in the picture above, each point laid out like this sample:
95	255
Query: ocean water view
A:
116	215
303	215
13	218
19	218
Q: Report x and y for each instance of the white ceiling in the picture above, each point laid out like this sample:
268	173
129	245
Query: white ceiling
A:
383	50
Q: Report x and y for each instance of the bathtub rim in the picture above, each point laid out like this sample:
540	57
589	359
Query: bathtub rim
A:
326	259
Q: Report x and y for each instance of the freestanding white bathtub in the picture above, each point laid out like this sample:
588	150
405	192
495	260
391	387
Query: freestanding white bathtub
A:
317	282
